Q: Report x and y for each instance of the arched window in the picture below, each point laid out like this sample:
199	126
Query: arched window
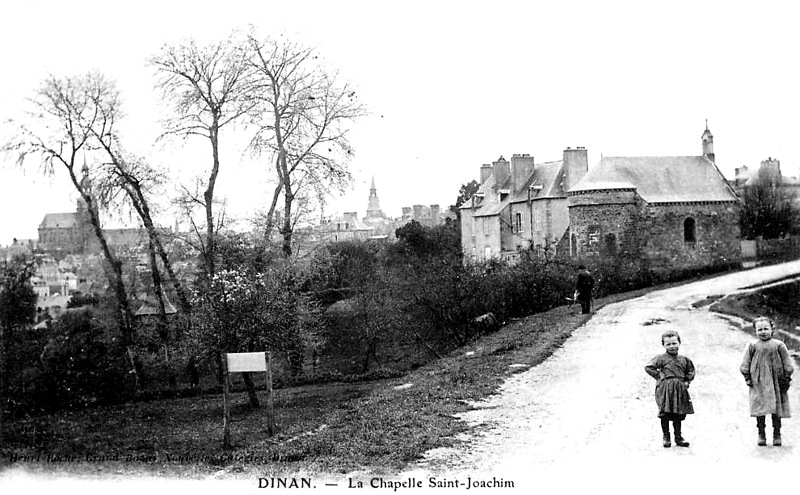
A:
689	234
573	248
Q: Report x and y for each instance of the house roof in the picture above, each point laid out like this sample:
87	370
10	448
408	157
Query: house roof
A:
491	203
548	175
151	308
660	179
59	220
352	220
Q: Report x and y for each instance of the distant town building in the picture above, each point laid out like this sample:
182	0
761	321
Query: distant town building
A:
73	233
375	224
346	227
769	170
374	211
19	248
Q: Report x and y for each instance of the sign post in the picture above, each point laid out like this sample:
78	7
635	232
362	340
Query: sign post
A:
246	362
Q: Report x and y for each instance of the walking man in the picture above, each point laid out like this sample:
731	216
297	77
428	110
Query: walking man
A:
583	289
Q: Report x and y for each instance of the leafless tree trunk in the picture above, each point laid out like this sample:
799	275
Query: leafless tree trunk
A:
135	178
208	87
68	114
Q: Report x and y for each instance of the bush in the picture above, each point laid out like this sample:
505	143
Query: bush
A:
77	365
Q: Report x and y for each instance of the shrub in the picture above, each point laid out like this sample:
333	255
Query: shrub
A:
77	365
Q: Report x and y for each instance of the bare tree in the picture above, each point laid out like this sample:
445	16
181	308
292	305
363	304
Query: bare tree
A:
70	116
302	114
770	207
138	180
209	88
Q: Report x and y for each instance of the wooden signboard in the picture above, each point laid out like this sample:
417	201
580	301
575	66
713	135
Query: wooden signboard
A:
246	362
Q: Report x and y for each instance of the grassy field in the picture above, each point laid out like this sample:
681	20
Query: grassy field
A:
331	428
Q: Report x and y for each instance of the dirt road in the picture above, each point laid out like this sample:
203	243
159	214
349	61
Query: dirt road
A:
585	419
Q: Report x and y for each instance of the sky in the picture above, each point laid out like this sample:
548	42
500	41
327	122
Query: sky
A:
449	86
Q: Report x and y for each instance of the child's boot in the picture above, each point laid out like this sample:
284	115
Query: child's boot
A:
762	434
679	441
776	431
665	431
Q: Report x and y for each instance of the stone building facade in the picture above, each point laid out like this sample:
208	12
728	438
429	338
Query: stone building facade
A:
674	212
520	205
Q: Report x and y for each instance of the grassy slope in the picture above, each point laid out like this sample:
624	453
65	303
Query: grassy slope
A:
329	428
779	303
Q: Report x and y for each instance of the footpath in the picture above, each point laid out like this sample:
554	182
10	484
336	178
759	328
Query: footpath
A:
585	419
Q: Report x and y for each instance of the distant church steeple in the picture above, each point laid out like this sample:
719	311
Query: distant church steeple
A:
374	205
84	224
708	143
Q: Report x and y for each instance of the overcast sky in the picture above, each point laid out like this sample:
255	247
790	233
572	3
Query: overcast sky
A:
450	85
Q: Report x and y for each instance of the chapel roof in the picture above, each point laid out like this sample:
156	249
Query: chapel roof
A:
660	179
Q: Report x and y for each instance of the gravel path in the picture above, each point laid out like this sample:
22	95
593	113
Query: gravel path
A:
585	419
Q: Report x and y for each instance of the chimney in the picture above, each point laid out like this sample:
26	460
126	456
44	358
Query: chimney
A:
521	170
576	164
486	171
502	170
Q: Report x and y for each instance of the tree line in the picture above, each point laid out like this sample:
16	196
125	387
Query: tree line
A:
295	109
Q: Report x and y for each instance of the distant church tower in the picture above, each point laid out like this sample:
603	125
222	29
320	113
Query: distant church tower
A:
374	206
708	144
83	221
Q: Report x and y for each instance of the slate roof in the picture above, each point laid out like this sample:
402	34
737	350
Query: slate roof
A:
354	223
150	307
660	179
59	220
548	175
490	204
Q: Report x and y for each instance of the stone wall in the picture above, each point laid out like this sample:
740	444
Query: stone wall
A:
619	223
604	223
522	237
716	235
479	233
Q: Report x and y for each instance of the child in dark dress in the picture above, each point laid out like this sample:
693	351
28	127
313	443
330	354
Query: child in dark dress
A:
673	374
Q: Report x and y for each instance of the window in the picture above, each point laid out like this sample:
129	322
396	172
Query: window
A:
518	223
573	248
593	239
689	234
611	245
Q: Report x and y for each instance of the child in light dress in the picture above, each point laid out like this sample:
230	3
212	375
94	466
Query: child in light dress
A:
767	370
673	374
